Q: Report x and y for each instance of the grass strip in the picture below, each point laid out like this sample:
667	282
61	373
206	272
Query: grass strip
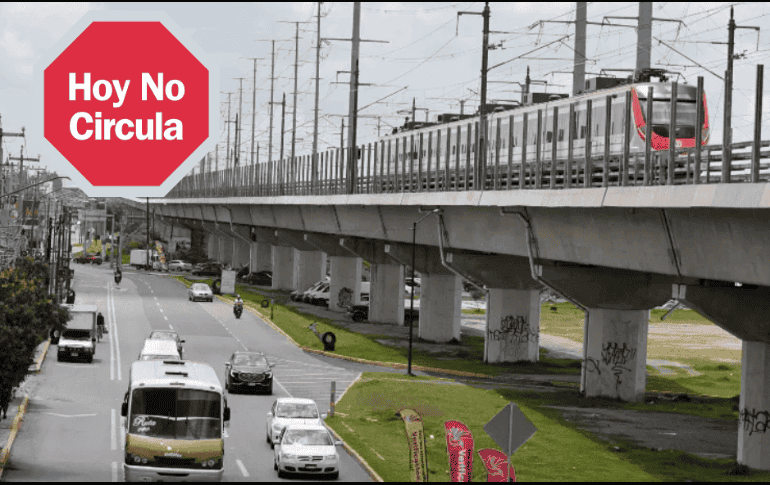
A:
559	451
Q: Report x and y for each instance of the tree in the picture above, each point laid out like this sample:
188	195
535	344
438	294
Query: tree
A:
26	315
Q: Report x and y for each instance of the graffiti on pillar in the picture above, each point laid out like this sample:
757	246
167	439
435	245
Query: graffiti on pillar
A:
514	329
345	298
754	421
616	356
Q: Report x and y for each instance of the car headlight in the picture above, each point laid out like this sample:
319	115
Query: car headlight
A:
330	458
233	374
132	459
277	427
287	456
211	463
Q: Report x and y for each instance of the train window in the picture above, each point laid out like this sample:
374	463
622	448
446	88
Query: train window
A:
549	137
561	134
596	130
453	149
582	132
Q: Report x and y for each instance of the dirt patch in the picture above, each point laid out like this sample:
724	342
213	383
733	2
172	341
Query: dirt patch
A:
706	437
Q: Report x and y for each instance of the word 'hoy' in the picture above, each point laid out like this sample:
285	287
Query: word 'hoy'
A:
103	90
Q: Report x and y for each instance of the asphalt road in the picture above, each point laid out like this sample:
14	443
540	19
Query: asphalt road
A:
73	429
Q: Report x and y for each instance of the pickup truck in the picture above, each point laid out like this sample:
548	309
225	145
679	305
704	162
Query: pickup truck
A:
360	312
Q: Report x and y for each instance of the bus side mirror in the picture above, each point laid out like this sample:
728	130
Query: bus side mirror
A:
124	409
227	414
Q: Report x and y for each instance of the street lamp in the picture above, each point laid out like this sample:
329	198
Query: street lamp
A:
411	301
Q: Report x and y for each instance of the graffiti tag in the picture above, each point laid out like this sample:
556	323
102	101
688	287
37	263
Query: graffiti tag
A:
514	329
754	421
344	298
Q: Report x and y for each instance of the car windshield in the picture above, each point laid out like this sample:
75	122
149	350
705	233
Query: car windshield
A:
253	360
77	334
200	287
295	410
307	437
163	336
175	414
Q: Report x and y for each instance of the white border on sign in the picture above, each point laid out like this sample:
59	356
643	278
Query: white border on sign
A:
61	165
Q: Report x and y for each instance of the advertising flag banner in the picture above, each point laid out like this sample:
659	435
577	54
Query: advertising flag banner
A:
498	469
418	457
161	256
459	445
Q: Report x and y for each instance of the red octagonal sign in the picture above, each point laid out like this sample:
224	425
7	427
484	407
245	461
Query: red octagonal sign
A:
128	105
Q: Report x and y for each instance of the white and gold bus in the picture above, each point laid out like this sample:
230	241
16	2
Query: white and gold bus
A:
175	413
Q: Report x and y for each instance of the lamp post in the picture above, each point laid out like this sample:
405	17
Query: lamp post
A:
411	301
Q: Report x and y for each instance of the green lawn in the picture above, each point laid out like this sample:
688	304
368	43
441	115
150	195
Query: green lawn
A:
557	452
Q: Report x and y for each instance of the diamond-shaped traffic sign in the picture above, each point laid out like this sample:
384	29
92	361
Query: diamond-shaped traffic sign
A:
510	429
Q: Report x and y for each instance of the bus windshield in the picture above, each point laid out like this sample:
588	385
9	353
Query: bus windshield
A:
184	414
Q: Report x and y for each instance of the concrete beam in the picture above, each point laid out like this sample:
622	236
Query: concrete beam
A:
295	239
370	250
267	235
495	271
427	258
327	244
240	214
607	288
742	311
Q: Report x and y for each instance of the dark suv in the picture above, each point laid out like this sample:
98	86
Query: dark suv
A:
208	269
249	370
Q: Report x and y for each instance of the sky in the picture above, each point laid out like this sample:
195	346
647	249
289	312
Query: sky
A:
429	56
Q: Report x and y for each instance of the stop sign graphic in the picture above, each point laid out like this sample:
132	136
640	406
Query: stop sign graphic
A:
129	104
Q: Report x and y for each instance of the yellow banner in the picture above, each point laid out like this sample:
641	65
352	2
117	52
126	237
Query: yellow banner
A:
418	457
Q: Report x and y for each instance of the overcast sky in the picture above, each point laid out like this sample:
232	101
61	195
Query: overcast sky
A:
428	53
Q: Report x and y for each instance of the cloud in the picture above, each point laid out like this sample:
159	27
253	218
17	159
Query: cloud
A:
15	47
53	18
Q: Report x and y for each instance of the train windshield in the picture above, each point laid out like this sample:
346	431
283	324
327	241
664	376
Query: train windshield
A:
661	112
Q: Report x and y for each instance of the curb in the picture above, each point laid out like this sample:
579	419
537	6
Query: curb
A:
39	363
6	452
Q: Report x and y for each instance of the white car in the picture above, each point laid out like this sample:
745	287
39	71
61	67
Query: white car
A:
200	291
178	265
314	296
289	410
306	448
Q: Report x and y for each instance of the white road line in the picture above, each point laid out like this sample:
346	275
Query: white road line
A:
161	310
71	415
243	468
113	445
224	432
169	326
225	327
111	336
114	471
164	316
281	386
115	330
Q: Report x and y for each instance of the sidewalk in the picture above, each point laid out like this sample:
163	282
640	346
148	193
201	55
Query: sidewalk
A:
10	426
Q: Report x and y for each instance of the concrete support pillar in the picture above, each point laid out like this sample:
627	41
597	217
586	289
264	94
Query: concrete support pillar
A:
227	250
753	437
241	253
345	284
386	294
616	360
513	323
440	307
283	268
261	257
310	268
212	246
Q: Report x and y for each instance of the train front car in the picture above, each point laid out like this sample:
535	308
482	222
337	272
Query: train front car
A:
661	115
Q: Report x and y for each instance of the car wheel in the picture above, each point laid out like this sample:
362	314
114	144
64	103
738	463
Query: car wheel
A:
334	475
281	474
270	390
90	359
58	357
275	465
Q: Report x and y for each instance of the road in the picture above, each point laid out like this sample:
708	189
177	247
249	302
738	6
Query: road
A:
73	429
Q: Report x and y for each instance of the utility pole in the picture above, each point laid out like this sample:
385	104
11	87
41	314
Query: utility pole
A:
579	70
272	80
643	39
238	127
283	117
294	115
353	103
727	137
3	134
227	153
315	110
480	145
254	105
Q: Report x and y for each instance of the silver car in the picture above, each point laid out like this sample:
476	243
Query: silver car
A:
179	265
200	291
307	448
289	410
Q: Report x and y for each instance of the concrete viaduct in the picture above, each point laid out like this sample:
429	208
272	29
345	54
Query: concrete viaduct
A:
616	252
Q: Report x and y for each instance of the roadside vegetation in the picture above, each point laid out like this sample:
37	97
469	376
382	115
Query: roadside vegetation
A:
558	451
26	316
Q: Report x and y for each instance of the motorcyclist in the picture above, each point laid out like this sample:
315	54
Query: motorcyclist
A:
237	304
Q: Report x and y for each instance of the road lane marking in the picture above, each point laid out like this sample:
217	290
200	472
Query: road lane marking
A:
281	386
114	471
112	430
164	316
224	431
115	330
243	468
169	326
161	310
225	327
111	337
71	415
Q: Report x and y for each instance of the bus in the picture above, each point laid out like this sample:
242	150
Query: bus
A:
175	414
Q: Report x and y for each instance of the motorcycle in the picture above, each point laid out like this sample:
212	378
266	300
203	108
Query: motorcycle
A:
238	309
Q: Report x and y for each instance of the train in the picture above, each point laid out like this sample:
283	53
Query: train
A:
457	134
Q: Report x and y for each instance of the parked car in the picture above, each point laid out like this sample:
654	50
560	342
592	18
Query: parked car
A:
208	269
299	295
306	296
82	258
168	335
261	278
200	291
290	410
316	296
308	448
95	259
179	265
247	370
360	312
